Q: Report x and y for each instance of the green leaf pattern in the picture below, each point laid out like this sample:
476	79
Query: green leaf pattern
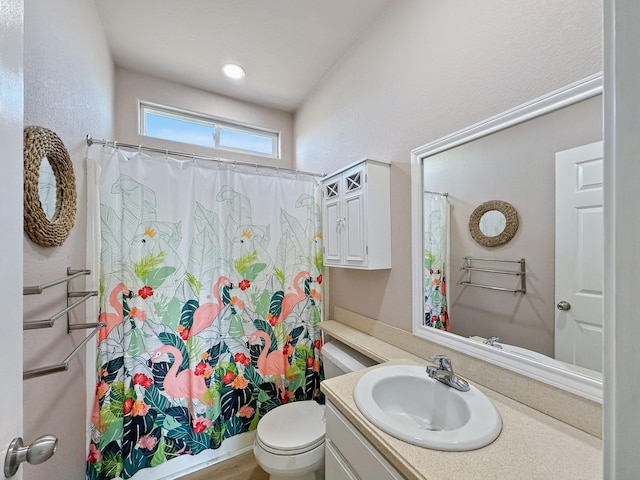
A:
435	266
169	328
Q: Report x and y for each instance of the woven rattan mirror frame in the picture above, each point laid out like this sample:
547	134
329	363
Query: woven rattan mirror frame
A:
510	214
39	143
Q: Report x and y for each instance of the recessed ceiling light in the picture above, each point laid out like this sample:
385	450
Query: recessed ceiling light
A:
232	70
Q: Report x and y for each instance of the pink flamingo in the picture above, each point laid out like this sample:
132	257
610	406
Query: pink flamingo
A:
273	364
205	314
185	384
290	300
112	319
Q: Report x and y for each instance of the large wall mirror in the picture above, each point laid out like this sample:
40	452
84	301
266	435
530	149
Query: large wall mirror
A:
516	158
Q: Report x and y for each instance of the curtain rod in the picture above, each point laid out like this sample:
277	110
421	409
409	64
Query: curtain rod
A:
114	144
445	194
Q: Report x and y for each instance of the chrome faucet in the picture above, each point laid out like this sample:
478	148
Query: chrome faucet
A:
492	342
444	373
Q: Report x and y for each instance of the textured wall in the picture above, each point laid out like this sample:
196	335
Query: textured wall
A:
132	87
68	89
427	69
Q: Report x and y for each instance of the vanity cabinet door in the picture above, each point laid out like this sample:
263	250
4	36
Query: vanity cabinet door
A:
336	467
350	453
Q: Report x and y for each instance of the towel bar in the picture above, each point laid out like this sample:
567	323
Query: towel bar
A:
83	297
521	273
61	367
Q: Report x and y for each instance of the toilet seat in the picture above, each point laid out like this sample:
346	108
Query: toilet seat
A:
292	429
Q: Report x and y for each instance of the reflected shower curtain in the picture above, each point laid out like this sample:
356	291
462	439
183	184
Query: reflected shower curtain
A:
210	291
436	260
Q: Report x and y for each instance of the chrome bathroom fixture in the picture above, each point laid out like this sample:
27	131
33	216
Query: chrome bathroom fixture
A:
39	451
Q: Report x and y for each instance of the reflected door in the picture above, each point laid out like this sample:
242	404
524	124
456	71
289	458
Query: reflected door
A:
579	253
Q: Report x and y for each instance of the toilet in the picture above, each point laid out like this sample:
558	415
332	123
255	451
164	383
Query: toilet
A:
289	440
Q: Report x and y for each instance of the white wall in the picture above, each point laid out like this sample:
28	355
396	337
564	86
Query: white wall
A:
132	87
427	69
68	75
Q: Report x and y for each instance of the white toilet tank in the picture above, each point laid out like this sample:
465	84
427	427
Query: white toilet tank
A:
338	359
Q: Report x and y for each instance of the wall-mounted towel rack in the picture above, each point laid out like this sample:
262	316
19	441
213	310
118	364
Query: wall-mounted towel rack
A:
49	322
71	274
521	272
61	367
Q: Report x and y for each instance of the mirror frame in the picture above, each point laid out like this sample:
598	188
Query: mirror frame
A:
40	142
578	383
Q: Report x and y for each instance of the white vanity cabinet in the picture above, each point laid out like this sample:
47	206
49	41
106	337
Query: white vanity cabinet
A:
356	216
349	455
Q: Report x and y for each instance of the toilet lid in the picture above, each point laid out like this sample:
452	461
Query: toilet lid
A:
294	427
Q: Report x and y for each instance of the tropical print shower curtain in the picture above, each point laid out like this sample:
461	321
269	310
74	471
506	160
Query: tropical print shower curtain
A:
210	283
436	260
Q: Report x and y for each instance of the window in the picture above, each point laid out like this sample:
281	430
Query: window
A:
186	127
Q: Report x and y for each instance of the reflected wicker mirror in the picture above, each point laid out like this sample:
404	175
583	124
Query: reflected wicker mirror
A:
493	223
53	229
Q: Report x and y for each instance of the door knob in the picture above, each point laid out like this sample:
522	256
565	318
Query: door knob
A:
40	450
564	306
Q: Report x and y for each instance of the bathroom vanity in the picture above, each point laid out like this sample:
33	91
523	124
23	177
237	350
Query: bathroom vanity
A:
349	455
532	445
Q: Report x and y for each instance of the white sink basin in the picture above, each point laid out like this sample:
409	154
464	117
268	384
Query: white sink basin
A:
404	402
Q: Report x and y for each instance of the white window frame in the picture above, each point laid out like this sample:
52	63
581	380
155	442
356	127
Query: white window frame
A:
216	123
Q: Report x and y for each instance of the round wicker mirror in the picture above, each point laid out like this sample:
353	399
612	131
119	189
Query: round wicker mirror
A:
493	223
41	143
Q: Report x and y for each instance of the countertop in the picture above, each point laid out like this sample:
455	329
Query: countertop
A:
532	445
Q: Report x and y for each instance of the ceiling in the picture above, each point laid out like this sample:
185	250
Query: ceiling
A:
286	46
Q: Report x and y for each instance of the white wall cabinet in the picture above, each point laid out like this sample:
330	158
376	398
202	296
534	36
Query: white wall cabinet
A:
356	216
349	455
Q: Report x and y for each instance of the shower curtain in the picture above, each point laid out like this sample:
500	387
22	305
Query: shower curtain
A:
436	260
210	288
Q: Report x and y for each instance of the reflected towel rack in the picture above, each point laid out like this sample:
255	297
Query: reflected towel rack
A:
469	268
84	296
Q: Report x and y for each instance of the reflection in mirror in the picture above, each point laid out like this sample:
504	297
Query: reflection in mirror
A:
509	156
47	189
493	223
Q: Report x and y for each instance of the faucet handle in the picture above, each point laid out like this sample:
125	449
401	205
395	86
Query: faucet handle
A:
492	341
444	362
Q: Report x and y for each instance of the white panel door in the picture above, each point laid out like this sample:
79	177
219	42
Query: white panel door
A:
354	200
332	231
579	256
354	229
11	124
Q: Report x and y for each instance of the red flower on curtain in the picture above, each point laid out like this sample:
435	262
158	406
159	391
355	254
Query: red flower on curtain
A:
145	292
142	380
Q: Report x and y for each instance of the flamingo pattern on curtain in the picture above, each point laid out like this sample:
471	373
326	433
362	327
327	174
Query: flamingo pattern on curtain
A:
210	284
436	260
